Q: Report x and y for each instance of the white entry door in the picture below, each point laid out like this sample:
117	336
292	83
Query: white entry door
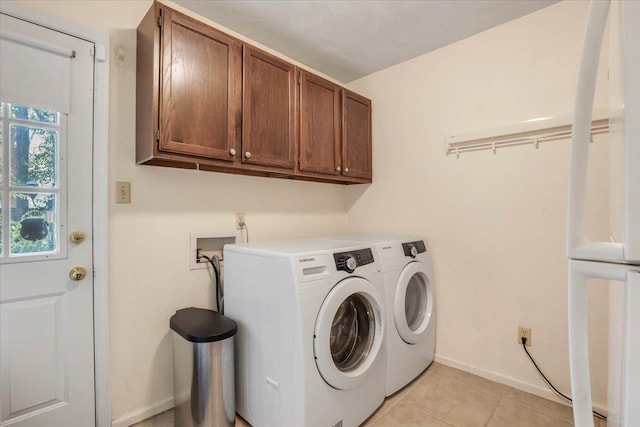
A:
46	276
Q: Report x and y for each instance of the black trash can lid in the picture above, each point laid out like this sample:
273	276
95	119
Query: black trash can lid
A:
202	325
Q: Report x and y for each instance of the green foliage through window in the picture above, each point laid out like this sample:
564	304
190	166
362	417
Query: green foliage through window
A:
33	139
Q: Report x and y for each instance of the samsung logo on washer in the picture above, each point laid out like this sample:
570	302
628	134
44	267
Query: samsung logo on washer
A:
306	259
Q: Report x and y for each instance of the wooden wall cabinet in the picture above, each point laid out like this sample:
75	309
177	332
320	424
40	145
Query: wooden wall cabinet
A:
268	110
208	101
356	136
200	91
320	125
335	131
196	103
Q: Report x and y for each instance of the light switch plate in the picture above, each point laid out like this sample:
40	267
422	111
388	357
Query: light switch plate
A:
123	192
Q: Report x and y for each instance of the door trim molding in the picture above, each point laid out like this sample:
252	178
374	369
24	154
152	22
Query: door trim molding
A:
100	194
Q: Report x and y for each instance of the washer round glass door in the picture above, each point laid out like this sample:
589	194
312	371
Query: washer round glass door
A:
348	333
413	302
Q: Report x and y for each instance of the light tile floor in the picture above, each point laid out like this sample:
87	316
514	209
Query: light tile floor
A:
445	397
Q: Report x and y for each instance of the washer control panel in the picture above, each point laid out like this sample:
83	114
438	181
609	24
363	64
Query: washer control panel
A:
412	249
349	261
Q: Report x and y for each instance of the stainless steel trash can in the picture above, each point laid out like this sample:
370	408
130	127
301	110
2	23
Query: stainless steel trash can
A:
203	369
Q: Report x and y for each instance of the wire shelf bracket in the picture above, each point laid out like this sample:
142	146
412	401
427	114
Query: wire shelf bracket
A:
532	131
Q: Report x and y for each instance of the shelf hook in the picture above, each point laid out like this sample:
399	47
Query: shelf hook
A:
493	147
457	153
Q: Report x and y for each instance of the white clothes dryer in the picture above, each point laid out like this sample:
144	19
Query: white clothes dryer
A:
410	304
310	347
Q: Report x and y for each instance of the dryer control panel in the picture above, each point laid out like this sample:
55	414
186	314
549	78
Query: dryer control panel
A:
349	261
412	249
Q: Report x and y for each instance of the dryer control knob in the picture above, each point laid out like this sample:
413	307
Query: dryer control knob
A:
347	264
414	252
351	264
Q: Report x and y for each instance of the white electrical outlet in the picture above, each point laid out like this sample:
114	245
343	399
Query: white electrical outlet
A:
239	220
524	333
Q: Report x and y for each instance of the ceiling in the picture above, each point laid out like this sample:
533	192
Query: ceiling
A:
350	39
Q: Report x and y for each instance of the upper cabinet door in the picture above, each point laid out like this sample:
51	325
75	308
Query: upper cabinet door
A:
268	110
200	96
320	125
356	147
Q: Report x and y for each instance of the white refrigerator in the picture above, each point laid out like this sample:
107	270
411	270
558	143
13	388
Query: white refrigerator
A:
618	260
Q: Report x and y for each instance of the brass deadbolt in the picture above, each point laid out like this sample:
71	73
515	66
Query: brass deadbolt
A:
77	273
77	237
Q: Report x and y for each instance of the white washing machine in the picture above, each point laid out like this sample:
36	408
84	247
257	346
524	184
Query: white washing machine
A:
410	305
310	348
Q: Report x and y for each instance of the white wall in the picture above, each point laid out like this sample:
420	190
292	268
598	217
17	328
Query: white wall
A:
495	223
149	242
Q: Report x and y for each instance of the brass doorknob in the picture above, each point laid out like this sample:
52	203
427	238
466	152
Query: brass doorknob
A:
77	237
77	273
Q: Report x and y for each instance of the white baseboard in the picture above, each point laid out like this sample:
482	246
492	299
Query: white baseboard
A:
512	382
142	414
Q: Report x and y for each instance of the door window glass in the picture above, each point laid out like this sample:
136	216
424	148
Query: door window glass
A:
415	301
352	332
33	114
1	228
1	174
29	180
33	156
1	152
36	230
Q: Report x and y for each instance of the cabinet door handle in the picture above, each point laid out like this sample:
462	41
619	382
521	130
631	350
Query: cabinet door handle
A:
232	152
247	155
338	168
346	170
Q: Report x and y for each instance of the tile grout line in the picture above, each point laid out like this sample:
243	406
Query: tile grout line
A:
413	385
424	411
494	411
539	411
455	380
504	397
461	382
